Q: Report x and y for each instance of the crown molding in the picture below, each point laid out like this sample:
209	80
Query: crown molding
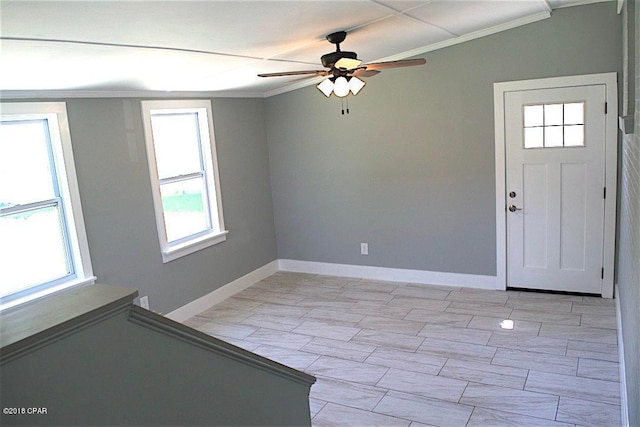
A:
581	3
75	94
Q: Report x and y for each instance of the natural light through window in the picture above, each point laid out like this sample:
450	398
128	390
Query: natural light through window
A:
184	174
43	242
554	125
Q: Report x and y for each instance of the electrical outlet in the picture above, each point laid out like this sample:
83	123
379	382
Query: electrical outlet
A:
144	302
364	249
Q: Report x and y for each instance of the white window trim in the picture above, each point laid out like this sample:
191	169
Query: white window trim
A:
56	114
200	241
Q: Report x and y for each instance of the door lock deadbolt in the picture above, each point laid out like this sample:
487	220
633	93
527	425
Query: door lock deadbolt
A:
512	194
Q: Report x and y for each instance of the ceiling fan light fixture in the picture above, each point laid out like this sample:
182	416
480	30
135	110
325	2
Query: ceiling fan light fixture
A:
341	87
348	63
326	87
355	85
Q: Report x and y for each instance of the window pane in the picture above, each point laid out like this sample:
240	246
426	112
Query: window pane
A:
183	206
553	136
533	138
177	144
33	249
553	114
574	113
533	115
25	167
574	136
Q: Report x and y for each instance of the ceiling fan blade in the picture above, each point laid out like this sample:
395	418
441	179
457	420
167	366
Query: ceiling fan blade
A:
394	64
295	73
364	73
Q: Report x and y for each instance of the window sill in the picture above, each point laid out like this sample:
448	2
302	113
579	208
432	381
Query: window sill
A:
48	292
186	248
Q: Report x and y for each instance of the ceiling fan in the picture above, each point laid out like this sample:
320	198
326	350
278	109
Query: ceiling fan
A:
345	69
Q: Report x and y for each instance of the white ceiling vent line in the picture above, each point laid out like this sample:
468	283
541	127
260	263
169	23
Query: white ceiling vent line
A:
469	36
405	13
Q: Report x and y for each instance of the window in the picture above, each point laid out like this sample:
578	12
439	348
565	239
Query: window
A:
554	125
184	176
43	243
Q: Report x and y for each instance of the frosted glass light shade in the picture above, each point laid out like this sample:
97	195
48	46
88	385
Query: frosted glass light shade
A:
355	84
341	87
326	87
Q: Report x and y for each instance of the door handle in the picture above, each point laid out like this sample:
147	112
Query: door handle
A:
513	208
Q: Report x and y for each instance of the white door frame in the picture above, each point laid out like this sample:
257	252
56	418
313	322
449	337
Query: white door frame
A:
610	80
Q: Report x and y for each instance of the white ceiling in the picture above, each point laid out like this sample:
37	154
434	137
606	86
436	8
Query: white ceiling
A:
131	47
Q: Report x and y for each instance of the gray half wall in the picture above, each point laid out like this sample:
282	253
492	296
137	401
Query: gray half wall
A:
115	188
411	169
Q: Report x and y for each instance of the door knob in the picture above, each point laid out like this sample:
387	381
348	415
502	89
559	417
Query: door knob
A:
513	208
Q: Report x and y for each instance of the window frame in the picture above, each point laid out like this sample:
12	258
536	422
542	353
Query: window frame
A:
208	153
68	201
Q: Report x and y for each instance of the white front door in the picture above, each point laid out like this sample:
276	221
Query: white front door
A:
555	184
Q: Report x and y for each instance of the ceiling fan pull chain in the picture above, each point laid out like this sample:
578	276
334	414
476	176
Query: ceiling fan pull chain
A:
342	101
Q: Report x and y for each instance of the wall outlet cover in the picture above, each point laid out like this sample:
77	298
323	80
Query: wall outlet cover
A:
364	249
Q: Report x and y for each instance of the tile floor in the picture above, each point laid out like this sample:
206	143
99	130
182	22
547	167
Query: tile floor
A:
402	354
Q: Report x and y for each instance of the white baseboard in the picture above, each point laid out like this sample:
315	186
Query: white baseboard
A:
624	403
198	306
390	274
345	270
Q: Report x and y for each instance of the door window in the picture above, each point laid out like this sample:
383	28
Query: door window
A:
554	125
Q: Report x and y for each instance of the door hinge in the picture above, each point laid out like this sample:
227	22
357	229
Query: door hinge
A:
602	273
606	107
605	193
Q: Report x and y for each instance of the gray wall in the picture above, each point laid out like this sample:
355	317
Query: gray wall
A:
116	197
629	225
120	373
411	169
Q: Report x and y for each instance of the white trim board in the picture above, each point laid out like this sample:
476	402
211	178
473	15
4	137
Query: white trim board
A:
610	80
222	293
390	274
624	403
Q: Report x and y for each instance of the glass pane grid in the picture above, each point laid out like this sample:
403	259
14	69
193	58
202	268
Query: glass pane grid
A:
35	249
26	162
176	139
184	204
554	125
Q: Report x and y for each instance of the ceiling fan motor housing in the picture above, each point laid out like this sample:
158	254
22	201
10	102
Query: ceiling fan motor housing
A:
329	59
